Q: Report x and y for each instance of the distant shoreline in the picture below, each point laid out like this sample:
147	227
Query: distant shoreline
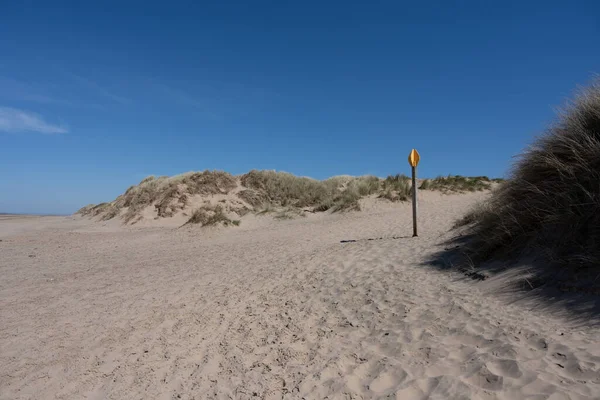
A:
4	214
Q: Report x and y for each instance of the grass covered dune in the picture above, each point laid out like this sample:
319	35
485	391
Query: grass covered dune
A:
193	193
543	223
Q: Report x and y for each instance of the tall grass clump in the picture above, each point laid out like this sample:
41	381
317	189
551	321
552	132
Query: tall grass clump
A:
347	200
367	185
345	193
548	211
284	189
457	183
396	188
210	216
206	182
289	213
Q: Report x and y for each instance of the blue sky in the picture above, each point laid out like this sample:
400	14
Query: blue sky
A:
96	95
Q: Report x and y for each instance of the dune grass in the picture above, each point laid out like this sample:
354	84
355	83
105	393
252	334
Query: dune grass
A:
284	189
167	194
457	183
209	215
366	185
253	197
265	208
396	188
289	213
548	209
347	200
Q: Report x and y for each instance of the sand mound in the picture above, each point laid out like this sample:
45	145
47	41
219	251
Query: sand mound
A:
198	193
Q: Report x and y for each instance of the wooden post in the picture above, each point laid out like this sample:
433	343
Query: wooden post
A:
414	200
413	160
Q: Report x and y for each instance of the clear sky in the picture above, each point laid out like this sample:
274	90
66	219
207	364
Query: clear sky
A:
96	95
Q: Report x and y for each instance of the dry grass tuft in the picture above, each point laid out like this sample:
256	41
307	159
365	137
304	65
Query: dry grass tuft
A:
147	179
457	183
85	210
289	213
265	208
284	189
207	182
210	216
110	212
171	199
253	197
366	185
396	188
347	200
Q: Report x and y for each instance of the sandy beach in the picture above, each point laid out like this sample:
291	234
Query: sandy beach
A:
271	310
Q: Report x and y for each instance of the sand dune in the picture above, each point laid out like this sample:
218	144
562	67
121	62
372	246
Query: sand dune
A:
272	310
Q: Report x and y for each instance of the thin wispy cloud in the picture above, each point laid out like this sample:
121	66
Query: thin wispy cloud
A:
180	97
13	120
14	89
88	83
216	99
41	93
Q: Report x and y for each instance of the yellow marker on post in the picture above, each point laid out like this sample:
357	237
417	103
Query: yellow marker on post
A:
413	160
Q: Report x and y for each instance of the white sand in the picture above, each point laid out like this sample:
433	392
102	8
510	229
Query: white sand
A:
272	309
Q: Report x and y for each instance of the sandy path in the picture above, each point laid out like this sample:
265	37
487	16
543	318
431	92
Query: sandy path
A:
272	310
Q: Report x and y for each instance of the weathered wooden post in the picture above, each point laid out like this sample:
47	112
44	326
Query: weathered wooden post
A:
413	160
